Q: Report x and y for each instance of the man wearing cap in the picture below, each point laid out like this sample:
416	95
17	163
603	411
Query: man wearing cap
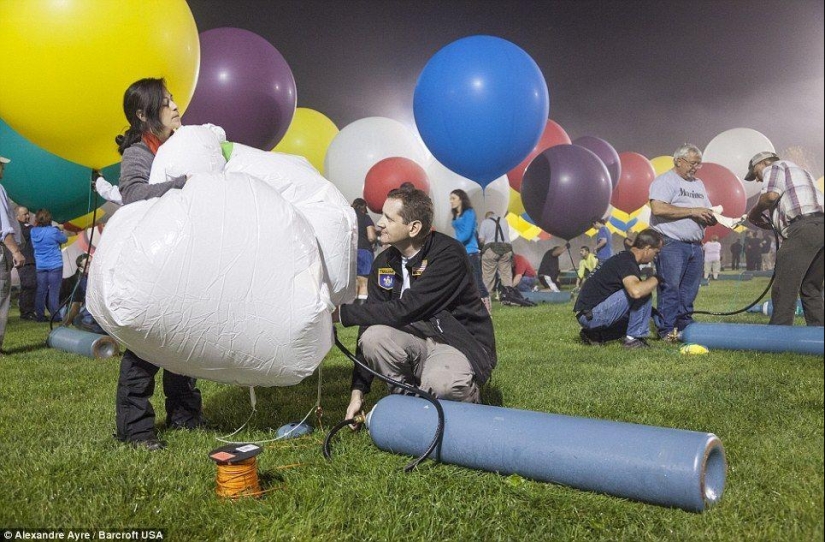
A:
796	211
10	254
680	211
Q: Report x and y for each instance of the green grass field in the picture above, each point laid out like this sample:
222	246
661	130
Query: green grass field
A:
62	469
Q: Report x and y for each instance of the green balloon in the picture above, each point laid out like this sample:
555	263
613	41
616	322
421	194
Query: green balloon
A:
39	179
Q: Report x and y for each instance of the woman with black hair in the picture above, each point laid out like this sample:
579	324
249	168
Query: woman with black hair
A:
153	117
465	226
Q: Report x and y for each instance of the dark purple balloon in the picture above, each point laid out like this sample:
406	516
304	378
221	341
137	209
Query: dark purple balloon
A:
606	153
566	188
245	86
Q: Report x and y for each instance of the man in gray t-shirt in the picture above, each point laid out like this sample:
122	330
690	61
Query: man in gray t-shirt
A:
680	210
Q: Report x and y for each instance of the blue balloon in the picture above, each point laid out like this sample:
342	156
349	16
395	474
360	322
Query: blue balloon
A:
37	179
480	105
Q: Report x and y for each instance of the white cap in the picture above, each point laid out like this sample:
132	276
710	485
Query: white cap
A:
4	160
764	155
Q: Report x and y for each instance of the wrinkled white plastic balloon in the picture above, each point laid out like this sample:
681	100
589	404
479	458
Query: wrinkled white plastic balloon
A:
232	278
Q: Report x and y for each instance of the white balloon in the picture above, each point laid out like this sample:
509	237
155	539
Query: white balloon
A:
184	284
443	181
733	149
497	196
191	149
364	143
331	216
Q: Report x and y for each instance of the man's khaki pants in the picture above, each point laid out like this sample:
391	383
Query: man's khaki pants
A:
434	367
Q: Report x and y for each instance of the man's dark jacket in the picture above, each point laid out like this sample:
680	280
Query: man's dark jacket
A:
442	302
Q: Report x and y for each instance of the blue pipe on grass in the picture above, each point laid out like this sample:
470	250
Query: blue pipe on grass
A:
757	337
83	343
657	465
740	276
548	297
766	308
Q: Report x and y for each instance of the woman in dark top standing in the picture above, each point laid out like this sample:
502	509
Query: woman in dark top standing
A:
366	240
153	117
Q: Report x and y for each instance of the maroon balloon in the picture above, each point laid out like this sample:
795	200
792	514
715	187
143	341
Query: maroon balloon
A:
553	135
606	153
724	188
564	189
245	86
633	190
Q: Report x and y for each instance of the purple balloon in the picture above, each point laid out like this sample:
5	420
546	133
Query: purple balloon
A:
245	86
606	153
566	188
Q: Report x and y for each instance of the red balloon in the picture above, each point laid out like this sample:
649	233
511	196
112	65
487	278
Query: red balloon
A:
553	135
633	189
388	174
724	188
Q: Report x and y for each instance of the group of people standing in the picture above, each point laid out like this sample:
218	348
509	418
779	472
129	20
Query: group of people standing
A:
34	249
616	301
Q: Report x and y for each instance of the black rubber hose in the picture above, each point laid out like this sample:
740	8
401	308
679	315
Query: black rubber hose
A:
435	445
70	298
767	288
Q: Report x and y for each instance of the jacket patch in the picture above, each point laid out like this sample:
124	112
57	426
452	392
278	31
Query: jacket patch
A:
416	271
386	277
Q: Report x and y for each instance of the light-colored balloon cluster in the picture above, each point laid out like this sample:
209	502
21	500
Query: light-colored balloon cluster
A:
233	277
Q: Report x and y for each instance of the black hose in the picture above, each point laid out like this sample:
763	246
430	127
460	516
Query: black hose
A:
340	425
435	445
767	288
70	298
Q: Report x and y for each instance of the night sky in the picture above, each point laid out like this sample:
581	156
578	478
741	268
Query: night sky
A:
646	76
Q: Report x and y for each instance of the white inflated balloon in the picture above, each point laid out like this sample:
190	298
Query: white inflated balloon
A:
364	143
497	196
190	150
184	284
733	149
197	149
332	218
443	181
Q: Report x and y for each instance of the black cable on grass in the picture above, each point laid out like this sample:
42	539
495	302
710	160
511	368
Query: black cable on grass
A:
435	445
770	282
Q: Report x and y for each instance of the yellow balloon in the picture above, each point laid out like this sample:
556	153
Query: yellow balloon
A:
661	164
309	135
66	65
515	206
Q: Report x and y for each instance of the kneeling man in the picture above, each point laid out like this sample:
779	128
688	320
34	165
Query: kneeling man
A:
615	302
423	323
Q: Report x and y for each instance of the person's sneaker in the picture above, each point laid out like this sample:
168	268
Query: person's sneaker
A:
150	444
198	423
632	342
588	339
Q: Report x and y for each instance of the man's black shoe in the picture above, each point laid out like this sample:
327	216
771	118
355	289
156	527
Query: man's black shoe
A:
199	423
589	339
630	342
150	444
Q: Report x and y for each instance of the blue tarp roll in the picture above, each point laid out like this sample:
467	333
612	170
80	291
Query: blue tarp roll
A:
757	337
657	465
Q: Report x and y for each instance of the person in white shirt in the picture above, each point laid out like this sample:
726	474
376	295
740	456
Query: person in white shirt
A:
713	257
